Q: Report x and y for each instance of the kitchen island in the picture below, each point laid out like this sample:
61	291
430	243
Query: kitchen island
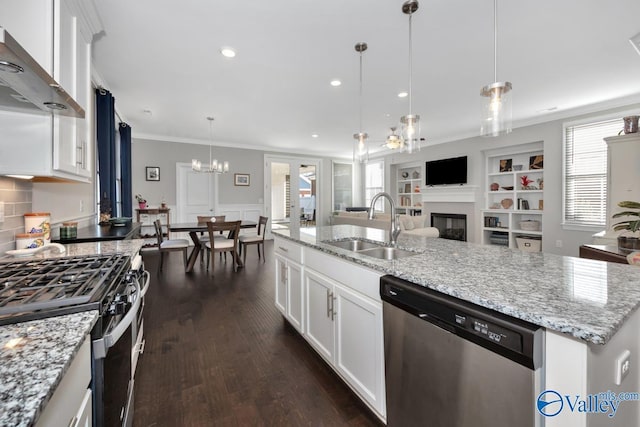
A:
588	308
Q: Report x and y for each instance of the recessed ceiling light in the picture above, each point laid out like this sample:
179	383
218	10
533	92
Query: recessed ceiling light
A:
403	95
387	115
315	135
228	52
336	83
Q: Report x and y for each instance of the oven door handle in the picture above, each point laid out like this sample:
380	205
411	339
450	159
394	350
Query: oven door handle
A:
147	279
102	345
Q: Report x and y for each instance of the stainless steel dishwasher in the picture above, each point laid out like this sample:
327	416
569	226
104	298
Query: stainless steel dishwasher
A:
450	363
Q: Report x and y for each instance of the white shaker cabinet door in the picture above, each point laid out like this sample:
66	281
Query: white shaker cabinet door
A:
318	292
281	284
359	345
294	295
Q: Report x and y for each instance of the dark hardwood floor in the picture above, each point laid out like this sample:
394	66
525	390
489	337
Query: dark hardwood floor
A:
218	352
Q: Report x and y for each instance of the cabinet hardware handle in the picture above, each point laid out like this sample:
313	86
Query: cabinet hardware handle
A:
328	303
283	249
79	149
333	303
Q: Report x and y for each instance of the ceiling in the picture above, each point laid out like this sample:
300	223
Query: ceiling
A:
571	56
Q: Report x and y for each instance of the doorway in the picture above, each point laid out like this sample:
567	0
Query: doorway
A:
292	192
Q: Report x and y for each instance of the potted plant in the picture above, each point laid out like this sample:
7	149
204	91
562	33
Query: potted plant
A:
142	202
629	239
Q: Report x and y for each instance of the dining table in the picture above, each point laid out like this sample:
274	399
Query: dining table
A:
194	229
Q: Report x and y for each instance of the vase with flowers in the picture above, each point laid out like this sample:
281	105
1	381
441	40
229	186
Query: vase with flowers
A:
142	202
629	239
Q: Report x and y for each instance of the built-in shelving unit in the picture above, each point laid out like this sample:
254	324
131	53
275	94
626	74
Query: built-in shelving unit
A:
408	184
513	210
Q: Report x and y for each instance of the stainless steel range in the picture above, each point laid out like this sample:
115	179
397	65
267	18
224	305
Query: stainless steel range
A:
112	284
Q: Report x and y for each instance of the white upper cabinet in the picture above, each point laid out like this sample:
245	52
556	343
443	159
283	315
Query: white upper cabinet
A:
56	34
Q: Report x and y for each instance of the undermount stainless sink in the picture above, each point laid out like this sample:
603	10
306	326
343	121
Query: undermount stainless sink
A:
387	253
353	245
374	250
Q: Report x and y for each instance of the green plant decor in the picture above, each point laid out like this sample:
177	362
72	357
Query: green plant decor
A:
633	225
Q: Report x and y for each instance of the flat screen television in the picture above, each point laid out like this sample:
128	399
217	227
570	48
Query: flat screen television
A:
446	171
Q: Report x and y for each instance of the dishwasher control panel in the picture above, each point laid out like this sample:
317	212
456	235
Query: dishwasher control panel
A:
486	329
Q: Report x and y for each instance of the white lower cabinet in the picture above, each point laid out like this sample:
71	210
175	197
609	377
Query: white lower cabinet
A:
336	306
319	304
343	323
71	404
289	297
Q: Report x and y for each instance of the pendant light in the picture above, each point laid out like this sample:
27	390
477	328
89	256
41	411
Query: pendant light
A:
410	122
360	148
214	166
496	97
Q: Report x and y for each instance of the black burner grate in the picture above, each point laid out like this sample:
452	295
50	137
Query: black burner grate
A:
32	285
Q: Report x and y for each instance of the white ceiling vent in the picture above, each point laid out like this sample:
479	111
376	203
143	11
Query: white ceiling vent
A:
635	42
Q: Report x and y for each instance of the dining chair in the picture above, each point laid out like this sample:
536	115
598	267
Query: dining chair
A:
246	240
222	245
204	238
169	245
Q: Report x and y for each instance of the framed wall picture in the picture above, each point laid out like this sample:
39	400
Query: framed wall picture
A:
153	173
536	162
505	165
241	179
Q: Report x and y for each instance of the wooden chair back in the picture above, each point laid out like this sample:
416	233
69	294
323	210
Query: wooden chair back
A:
206	218
158	226
262	226
231	226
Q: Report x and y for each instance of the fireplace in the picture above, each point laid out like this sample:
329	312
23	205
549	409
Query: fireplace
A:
451	226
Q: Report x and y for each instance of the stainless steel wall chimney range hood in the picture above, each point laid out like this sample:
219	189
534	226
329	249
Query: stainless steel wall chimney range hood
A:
25	85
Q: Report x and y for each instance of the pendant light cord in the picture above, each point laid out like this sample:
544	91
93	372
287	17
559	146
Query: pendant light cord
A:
210	143
410	61
360	99
495	40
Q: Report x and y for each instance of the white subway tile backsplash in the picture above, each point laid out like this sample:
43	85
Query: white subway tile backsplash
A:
16	195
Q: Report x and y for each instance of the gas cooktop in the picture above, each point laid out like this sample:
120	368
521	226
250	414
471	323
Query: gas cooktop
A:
34	289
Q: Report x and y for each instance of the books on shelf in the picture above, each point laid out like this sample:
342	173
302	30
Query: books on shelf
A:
492	221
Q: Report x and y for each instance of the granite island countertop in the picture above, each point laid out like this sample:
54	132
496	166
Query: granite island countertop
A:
33	368
587	299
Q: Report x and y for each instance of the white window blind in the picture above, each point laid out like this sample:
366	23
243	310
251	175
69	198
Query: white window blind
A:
374	183
585	172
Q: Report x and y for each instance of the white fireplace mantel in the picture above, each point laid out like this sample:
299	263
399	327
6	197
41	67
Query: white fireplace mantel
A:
450	194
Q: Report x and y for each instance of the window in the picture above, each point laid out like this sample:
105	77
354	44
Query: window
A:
374	183
585	172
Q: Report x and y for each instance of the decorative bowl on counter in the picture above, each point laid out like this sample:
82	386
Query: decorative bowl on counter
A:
119	221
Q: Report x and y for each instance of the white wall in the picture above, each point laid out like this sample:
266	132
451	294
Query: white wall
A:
551	135
166	154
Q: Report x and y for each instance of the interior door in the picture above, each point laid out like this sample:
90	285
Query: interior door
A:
197	194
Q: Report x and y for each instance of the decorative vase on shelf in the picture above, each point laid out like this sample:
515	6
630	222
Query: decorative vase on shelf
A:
142	205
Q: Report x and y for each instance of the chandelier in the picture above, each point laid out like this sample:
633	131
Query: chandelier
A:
213	166
360	150
410	122
496	97
394	141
